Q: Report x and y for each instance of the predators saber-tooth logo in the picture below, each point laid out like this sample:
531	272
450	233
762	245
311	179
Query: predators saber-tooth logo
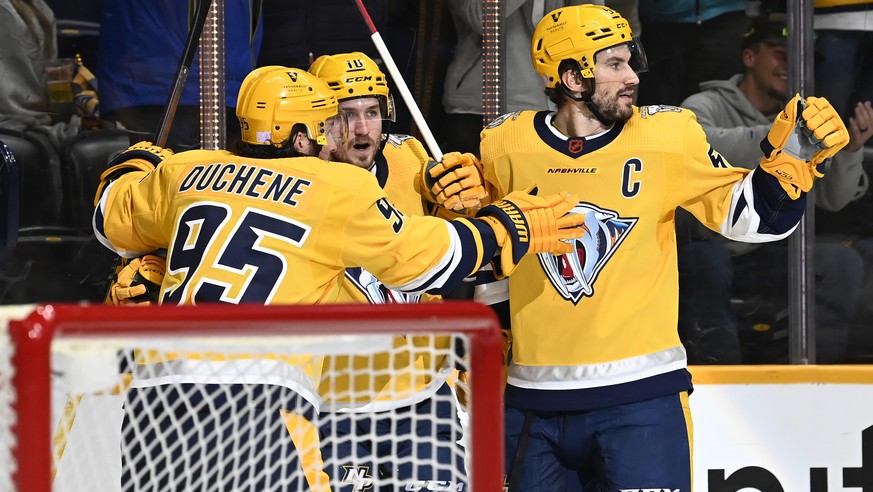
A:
573	274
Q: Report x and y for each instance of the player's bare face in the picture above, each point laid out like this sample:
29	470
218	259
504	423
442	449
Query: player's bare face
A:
615	84
364	119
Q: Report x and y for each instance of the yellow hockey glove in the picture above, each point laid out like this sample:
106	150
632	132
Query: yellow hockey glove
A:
527	224
138	282
142	156
456	182
826	126
803	135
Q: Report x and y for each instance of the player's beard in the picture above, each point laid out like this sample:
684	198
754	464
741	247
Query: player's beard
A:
610	106
346	152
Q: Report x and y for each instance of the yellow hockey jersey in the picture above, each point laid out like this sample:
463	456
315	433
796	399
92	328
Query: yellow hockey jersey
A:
410	373
279	231
275	231
599	327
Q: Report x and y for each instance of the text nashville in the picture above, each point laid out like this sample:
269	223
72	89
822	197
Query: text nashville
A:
572	170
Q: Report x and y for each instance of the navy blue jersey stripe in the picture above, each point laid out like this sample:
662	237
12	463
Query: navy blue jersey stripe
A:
604	396
469	261
777	211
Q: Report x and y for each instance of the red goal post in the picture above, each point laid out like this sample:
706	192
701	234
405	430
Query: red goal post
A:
32	342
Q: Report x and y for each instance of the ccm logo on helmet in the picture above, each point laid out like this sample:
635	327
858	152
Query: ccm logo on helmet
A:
362	78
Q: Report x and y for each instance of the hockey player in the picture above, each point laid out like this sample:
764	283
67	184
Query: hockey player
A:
597	389
408	416
268	224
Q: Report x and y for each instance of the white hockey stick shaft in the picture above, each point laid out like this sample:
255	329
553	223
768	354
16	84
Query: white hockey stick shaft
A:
417	117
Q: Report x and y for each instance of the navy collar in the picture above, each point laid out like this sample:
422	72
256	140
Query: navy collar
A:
572	146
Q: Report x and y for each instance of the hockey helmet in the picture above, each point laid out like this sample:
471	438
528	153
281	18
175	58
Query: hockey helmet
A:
578	33
273	99
354	75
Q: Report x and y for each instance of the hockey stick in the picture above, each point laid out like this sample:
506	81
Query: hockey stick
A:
166	121
426	134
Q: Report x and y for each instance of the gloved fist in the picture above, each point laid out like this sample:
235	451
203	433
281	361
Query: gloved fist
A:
803	135
456	182
826	126
138	282
141	156
527	224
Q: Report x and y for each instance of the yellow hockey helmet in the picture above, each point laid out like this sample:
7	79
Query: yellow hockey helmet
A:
578	33
354	75
273	99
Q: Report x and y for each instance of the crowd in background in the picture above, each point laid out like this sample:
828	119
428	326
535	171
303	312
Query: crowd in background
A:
733	301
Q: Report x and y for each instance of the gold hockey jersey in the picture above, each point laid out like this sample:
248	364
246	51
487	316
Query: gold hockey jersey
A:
274	231
599	327
278	231
411	372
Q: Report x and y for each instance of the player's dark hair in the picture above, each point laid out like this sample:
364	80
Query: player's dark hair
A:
555	94
246	149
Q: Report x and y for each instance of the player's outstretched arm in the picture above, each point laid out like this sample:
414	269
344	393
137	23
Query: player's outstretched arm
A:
138	282
456	182
524	223
804	134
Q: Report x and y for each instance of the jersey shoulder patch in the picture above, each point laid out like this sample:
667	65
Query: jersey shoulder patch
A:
501	119
653	109
397	139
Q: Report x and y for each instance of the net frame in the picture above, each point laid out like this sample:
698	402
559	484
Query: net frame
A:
32	338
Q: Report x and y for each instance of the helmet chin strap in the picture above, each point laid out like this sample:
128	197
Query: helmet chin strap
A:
585	97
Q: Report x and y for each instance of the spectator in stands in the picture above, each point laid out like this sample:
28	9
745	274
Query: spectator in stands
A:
462	96
28	41
736	115
28	49
141	45
688	42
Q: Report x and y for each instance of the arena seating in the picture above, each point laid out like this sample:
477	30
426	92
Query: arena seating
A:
53	254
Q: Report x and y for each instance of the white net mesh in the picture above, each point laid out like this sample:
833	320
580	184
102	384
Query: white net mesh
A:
361	412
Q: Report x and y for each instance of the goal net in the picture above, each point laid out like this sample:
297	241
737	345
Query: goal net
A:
254	398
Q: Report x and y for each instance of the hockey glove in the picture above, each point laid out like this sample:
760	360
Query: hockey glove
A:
142	156
527	224
138	282
803	135
456	182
